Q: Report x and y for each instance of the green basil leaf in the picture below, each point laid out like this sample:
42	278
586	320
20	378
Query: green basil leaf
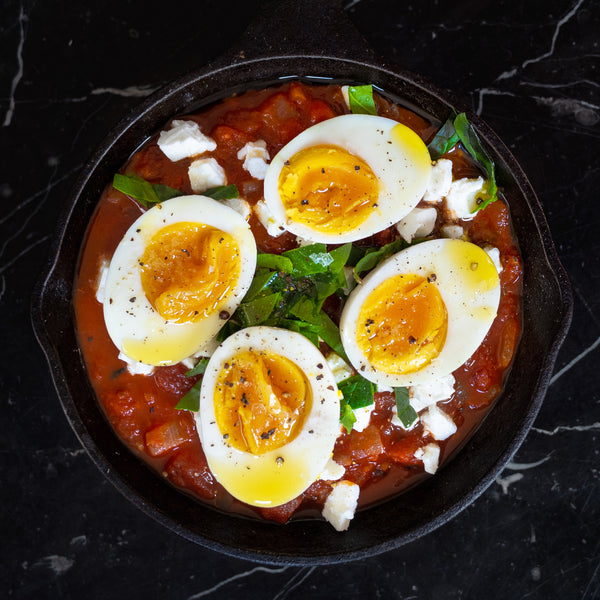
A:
357	391
329	332
257	311
308	260
474	147
198	369
164	192
406	413
222	192
260	284
305	310
361	99
340	256
373	257
275	262
445	139
191	401
347	416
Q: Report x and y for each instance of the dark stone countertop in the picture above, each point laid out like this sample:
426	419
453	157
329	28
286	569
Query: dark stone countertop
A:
68	74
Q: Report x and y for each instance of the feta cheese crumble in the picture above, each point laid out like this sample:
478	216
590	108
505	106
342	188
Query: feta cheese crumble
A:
440	180
430	455
426	394
419	222
461	200
134	367
265	216
332	471
184	140
341	504
255	156
438	423
206	173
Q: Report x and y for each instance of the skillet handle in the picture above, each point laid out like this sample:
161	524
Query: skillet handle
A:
300	28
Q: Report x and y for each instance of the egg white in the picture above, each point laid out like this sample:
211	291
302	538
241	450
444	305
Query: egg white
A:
395	153
134	326
279	475
471	307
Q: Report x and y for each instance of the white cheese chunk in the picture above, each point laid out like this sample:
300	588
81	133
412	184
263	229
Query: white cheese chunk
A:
461	199
494	254
102	275
134	367
339	367
363	417
430	455
395	420
265	216
438	423
418	223
454	232
341	504
346	95
440	180
426	394
240	206
255	156
184	140
332	471
206	173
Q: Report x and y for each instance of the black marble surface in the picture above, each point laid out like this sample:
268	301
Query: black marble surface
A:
69	72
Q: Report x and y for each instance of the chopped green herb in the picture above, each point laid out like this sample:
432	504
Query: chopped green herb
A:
473	145
374	256
257	311
198	369
445	139
222	192
357	391
275	262
406	413
191	401
143	191
361	99
457	128
347	416
308	260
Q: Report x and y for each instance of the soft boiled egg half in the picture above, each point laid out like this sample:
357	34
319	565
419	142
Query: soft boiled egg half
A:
347	178
175	278
421	313
269	415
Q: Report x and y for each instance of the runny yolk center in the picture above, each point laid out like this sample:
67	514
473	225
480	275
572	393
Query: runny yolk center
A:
261	401
402	325
328	189
188	270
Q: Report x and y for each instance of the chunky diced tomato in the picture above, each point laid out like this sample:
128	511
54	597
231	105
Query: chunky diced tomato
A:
188	469
167	436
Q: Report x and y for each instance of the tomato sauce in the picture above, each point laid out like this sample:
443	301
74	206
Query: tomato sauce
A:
142	410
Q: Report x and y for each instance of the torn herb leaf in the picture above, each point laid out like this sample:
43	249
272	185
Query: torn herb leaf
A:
198	369
374	256
406	413
473	145
347	416
361	99
222	192
191	401
143	191
357	391
445	139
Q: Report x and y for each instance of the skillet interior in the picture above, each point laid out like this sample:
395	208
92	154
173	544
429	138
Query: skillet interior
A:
546	313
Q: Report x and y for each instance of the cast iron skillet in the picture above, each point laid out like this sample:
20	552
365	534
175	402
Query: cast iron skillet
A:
277	45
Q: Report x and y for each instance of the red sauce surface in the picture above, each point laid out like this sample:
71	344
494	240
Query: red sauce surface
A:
142	408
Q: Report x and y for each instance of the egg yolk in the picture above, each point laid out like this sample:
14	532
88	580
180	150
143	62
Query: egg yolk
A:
188	270
328	189
402	324
261	400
